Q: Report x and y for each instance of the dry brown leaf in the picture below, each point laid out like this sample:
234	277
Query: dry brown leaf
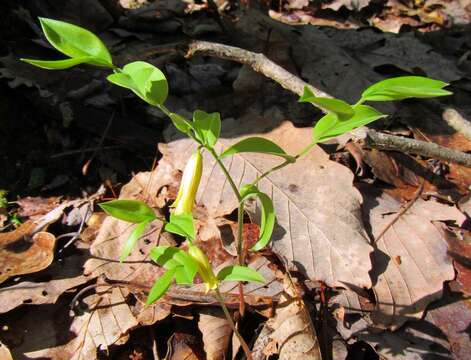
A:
318	211
5	353
64	276
292	329
106	322
182	346
217	333
404	288
23	252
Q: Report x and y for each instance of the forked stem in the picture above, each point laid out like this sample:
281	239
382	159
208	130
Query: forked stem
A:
243	344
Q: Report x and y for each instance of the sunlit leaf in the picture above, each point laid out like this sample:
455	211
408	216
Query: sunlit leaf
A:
268	219
160	287
144	79
405	87
76	42
181	224
336	106
207	126
132	240
239	273
330	126
58	64
134	211
257	145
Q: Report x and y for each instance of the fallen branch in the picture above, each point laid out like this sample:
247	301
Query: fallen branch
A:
382	141
457	122
260	63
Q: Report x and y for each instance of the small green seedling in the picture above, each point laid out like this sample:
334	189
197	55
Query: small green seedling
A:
150	84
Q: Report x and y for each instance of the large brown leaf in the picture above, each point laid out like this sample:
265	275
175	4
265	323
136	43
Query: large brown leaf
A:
318	210
106	321
410	263
217	333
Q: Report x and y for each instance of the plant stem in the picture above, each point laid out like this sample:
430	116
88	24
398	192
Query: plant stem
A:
226	173
240	230
282	165
243	344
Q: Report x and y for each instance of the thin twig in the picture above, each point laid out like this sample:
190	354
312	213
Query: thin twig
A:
243	344
263	65
457	122
382	141
402	212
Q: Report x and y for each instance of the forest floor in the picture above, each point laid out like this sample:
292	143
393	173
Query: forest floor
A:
372	251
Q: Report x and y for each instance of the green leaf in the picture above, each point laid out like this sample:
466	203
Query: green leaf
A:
144	79
405	87
134	211
160	287
267	223
240	273
182	225
257	145
331	126
132	240
207	127
173	258
58	64
76	42
181	123
339	107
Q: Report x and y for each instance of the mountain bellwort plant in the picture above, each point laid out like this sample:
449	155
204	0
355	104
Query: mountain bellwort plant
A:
81	46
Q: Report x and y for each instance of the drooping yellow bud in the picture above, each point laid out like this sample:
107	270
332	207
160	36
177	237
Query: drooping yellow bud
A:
189	186
204	267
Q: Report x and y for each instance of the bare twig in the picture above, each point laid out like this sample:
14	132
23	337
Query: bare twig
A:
263	65
382	141
402	212
258	62
457	122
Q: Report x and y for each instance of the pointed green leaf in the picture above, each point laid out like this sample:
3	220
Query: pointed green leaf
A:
76	42
207	126
267	223
339	107
181	123
240	273
173	258
132	240
405	87
58	64
144	79
181	225
330	126
134	211
257	145
160	287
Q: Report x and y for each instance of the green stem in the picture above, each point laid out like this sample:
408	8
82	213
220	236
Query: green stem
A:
243	344
240	230
282	165
226	173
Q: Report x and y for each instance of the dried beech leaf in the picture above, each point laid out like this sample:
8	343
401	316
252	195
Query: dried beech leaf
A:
23	252
216	332
293	331
64	276
411	262
5	353
318	210
106	322
182	346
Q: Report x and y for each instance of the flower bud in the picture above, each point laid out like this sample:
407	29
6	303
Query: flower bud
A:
204	267
189	186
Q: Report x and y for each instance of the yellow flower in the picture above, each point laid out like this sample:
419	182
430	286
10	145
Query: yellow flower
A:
189	186
204	267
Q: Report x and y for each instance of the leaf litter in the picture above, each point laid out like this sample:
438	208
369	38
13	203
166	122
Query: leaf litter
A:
414	302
